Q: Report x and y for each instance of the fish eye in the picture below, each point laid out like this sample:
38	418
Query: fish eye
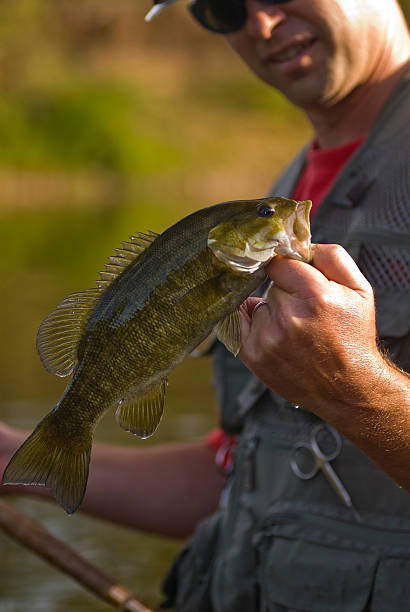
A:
265	211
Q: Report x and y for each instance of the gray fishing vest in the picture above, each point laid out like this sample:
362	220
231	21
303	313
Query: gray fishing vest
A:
279	543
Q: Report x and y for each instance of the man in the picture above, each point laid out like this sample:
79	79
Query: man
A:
280	540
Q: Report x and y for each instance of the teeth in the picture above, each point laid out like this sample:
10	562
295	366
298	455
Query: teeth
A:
289	53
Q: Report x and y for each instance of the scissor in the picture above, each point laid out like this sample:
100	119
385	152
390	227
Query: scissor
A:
321	461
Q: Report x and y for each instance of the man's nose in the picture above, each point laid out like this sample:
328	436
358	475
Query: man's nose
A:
262	18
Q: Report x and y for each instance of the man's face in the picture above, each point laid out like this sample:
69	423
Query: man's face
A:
314	51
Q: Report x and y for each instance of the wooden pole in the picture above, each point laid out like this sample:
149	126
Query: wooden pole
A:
33	535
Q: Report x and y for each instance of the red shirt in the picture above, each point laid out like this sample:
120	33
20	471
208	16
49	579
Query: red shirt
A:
322	167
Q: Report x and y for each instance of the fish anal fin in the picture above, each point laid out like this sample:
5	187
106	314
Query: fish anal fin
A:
228	331
142	414
60	332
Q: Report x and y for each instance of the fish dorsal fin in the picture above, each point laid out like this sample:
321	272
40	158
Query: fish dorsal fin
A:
228	331
129	252
60	332
141	414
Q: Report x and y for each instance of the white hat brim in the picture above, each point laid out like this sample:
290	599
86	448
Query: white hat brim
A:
157	9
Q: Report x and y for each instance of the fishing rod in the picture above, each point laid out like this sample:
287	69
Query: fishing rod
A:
34	536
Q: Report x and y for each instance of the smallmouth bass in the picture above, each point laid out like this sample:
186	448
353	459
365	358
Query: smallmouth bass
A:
158	299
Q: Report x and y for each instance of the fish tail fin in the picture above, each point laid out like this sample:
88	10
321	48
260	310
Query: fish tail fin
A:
59	462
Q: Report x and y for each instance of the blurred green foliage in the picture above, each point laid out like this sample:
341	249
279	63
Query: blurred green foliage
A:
80	125
65	104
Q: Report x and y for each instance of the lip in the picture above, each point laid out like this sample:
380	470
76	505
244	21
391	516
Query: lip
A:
291	52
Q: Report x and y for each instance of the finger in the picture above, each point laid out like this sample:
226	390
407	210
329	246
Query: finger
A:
249	305
336	264
258	305
253	325
246	311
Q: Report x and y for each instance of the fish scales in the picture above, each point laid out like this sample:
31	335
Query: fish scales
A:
162	339
166	294
180	242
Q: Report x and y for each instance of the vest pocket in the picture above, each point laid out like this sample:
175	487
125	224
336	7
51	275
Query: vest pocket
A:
312	561
313	576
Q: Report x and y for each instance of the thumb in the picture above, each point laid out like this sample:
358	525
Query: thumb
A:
336	264
295	277
330	263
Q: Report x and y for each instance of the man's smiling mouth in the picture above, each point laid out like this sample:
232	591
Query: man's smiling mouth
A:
290	52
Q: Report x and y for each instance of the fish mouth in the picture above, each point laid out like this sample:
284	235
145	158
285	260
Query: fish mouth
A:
295	240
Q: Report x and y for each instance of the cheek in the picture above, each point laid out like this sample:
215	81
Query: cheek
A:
233	40
241	44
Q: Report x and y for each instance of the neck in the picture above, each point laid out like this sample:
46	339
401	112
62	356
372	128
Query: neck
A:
354	116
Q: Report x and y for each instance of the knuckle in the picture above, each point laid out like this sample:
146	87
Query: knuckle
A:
336	250
324	299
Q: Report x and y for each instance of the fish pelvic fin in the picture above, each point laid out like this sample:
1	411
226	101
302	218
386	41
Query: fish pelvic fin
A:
46	458
228	331
142	414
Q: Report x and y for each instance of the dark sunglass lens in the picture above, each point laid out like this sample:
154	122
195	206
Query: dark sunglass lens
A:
221	16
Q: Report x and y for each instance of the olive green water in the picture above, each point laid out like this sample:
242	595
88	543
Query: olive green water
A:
45	256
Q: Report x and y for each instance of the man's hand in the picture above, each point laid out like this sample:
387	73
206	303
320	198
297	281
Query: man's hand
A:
314	338
314	342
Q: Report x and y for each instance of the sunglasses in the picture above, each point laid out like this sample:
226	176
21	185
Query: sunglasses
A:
223	16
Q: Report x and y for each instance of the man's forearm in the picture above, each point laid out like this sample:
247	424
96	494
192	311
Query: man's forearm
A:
378	422
164	489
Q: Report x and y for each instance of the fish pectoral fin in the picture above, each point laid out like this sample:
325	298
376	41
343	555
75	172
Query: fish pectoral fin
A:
142	414
60	332
228	331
